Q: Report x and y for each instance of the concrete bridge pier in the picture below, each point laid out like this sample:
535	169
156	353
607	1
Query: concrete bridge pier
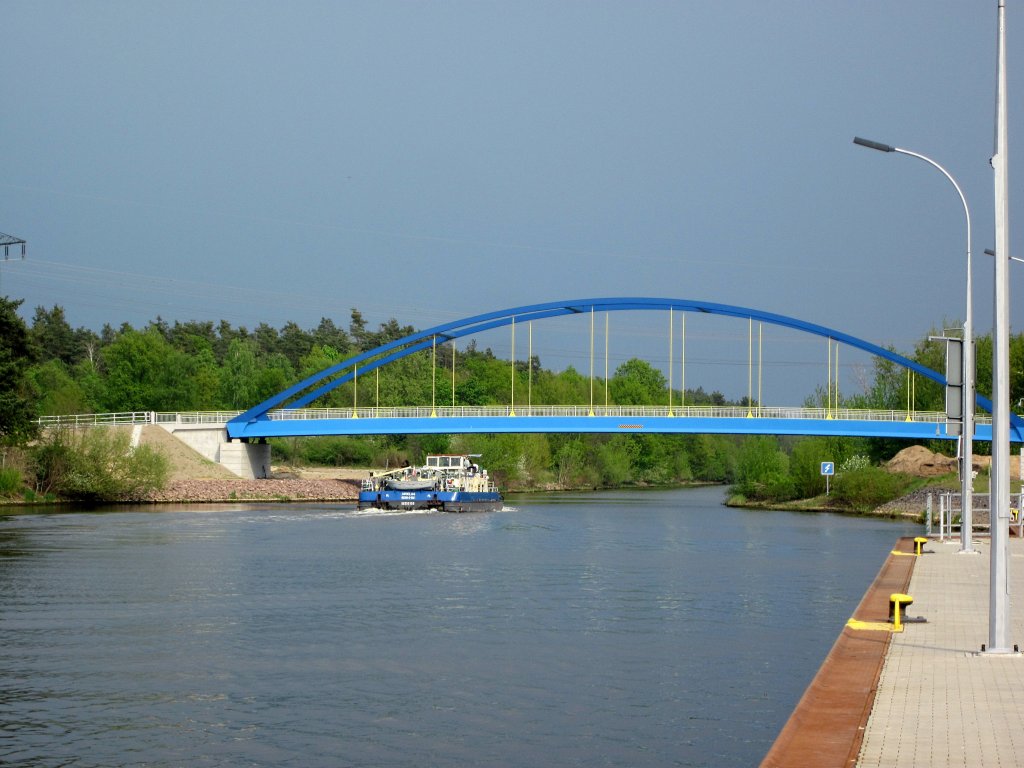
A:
247	460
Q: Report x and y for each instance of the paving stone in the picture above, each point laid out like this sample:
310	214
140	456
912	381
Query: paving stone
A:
938	702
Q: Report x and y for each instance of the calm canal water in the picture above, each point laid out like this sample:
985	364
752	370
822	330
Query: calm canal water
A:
603	629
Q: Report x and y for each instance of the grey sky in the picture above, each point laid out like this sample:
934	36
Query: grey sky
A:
271	161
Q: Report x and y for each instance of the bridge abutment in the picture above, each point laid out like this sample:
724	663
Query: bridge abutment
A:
249	461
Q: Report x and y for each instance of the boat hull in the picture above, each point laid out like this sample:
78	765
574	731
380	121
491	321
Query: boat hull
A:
444	501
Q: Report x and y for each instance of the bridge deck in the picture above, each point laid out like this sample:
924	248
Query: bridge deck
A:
912	425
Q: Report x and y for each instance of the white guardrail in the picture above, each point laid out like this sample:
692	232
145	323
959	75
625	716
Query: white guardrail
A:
470	411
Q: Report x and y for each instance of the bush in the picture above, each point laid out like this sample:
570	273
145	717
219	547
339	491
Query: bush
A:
763	471
615	461
97	465
805	466
337	452
284	450
867	487
11	481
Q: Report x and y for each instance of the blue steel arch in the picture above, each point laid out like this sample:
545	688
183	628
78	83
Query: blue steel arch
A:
310	389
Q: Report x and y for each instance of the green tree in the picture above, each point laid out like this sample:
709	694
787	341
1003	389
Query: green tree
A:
204	378
239	387
327	334
406	382
294	343
712	458
762	471
59	392
274	374
54	337
225	335
88	378
17	396
357	330
145	373
193	335
568	387
637	382
316	360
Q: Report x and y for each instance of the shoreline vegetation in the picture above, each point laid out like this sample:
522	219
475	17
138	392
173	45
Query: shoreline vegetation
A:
285	490
341	485
50	368
86	468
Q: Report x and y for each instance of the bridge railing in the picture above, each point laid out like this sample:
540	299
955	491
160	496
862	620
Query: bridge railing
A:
136	418
132	418
126	418
617	411
195	417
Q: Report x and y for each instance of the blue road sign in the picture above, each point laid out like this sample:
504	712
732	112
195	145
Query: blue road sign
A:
828	468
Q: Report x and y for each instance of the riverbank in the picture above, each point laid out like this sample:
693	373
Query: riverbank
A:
284	484
910	506
194	479
915	473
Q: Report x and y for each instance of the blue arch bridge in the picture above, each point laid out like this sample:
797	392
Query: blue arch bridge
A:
238	440
290	413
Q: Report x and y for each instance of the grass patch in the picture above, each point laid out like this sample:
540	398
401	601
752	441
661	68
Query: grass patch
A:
11	481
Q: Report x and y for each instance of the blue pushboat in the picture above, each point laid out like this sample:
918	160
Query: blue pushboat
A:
447	483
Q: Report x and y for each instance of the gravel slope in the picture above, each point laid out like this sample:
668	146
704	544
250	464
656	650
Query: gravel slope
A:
206	490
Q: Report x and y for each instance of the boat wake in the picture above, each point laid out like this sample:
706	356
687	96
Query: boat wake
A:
375	512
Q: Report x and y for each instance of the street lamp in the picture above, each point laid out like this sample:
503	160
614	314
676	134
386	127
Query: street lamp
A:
967	435
999	573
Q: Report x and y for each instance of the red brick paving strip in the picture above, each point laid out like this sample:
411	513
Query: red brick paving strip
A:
827	726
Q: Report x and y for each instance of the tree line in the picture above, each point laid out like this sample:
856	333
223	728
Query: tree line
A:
49	367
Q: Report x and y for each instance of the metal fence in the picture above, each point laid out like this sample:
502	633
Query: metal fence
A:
945	511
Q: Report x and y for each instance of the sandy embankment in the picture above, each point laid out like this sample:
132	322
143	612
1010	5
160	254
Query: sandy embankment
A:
195	479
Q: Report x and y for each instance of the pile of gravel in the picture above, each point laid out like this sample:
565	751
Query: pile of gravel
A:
199	491
912	505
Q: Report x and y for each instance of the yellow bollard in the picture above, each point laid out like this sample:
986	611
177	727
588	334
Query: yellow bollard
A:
898	603
919	542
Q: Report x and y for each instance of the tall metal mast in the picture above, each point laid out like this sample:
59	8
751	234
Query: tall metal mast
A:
999	588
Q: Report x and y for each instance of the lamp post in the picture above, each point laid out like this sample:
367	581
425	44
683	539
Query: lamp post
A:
967	435
999	577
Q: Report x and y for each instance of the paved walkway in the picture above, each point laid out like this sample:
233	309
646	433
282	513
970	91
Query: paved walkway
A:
938	703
